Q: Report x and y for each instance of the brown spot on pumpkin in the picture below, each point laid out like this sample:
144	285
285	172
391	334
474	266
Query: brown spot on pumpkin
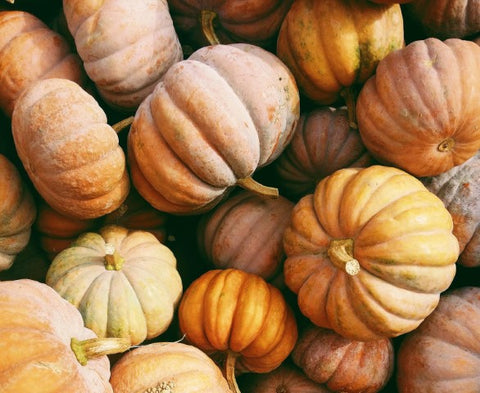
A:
271	113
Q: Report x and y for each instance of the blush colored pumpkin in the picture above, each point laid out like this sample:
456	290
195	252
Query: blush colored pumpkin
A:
68	150
31	51
341	364
443	354
419	111
17	213
125	283
46	346
369	252
211	127
167	367
125	46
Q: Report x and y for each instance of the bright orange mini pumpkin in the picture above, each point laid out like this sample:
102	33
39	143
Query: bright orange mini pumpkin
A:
369	252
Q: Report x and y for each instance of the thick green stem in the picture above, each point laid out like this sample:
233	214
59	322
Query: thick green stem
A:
113	260
230	371
340	252
206	20
250	184
85	350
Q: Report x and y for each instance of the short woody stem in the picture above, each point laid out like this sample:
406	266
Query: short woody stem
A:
349	95
230	371
123	124
250	184
113	260
85	350
206	20
340	252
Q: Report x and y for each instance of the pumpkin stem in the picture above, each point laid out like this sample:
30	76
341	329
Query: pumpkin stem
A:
348	94
206	19
252	185
122	124
446	145
230	371
91	348
340	252
113	260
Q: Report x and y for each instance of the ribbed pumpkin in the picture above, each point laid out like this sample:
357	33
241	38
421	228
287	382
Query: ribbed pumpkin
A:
125	46
167	367
70	153
125	283
443	354
369	252
45	346
332	46
30	51
245	232
341	364
240	315
420	111
205	128
17	213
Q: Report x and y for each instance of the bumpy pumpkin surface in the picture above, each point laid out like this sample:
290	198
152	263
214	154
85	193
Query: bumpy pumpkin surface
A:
68	150
126	46
205	128
369	252
443	354
124	283
420	111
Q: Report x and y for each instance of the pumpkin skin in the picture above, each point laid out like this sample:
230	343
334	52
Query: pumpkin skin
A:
210	127
332	45
341	364
167	367
124	283
369	253
17	213
125	46
68	150
323	142
246	232
31	51
459	189
419	111
443	354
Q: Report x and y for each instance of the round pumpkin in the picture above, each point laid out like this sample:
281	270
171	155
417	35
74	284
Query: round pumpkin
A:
45	344
68	150
238	314
125	46
419	111
443	354
323	142
341	364
369	252
245	232
333	46
17	213
125	283
31	51
167	367
205	128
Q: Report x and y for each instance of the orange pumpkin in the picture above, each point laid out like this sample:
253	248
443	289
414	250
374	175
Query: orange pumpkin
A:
369	252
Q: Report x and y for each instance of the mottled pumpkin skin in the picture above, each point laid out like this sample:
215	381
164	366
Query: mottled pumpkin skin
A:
167	367
331	45
341	364
17	213
443	354
37	326
205	127
399	234
125	46
419	111
30	51
68	150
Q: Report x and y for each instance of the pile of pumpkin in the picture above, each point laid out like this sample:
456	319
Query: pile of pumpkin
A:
255	196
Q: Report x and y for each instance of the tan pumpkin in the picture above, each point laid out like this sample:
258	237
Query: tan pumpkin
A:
31	51
125	46
45	346
369	252
443	354
167	367
125	283
17	213
419	111
68	150
205	128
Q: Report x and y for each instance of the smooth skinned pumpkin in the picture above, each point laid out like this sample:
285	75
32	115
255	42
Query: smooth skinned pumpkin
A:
68	150
369	252
125	283
205	128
